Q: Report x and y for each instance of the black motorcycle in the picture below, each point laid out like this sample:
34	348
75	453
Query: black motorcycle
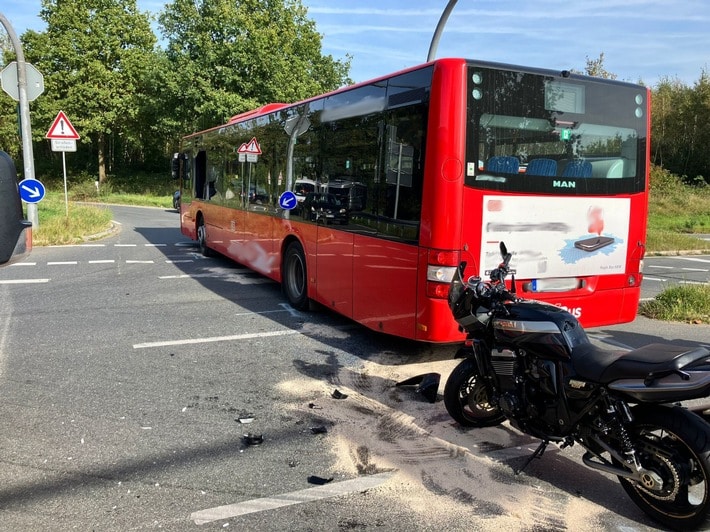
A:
532	364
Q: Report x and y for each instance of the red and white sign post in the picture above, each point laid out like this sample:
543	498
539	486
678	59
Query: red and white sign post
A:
63	137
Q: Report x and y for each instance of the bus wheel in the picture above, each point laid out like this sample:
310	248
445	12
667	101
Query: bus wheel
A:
294	279
202	238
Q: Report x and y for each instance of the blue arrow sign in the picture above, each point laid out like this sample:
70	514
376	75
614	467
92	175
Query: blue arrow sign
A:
288	200
31	190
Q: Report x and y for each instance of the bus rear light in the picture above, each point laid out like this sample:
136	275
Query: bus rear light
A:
444	258
437	290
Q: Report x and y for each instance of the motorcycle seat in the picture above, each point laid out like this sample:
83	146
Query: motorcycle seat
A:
648	362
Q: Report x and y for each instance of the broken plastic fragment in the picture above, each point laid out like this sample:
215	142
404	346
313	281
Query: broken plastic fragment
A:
337	394
427	385
314	406
313	479
245	418
319	430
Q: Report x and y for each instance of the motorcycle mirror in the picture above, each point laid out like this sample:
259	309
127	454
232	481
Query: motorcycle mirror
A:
503	250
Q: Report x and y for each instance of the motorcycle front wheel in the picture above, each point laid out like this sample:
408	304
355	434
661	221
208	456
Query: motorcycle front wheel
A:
673	445
466	397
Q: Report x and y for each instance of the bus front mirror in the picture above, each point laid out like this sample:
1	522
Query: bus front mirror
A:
15	231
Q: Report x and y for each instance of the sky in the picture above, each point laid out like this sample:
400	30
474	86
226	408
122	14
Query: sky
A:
642	40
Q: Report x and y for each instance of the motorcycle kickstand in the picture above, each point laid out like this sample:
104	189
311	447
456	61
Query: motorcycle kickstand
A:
537	454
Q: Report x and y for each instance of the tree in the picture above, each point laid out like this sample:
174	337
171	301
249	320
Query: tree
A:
680	133
595	67
234	55
93	54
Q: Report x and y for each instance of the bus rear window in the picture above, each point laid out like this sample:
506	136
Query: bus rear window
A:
530	132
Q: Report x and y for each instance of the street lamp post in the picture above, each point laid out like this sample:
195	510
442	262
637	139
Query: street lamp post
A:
439	29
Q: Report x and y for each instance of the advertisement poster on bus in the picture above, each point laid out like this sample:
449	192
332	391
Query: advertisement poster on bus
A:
556	237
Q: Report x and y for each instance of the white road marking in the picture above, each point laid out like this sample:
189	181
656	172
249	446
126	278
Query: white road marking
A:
155	245
107	261
217	338
140	262
647	278
24	264
333	489
77	246
125	245
64	263
24	281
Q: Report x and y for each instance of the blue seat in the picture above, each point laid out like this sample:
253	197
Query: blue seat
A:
503	164
542	167
577	168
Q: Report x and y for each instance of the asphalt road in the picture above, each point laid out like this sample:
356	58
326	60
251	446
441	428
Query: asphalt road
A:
132	368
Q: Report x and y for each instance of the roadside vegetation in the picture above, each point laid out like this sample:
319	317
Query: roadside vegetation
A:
676	212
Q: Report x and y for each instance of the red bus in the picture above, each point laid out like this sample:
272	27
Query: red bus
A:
421	169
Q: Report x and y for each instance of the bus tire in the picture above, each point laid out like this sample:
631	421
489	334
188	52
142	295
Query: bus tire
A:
202	238
295	278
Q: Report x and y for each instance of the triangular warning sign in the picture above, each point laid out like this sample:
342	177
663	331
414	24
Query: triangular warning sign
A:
250	147
61	129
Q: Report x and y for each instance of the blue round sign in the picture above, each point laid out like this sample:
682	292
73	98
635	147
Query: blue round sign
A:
288	200
31	190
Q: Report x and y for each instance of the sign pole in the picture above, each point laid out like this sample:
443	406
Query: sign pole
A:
66	197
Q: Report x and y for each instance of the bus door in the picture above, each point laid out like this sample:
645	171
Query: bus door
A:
334	263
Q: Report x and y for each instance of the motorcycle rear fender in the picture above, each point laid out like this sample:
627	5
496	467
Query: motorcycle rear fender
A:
666	389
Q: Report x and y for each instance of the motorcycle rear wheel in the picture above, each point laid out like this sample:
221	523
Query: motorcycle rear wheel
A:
677	493
466	397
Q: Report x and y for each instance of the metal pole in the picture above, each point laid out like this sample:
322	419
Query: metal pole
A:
25	127
439	29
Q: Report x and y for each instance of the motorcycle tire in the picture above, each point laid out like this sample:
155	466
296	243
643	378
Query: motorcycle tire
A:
673	444
466	397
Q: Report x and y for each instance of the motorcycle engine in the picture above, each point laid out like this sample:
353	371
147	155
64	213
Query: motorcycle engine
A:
526	385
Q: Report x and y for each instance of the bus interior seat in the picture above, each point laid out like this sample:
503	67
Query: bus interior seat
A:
503	164
542	167
612	168
577	168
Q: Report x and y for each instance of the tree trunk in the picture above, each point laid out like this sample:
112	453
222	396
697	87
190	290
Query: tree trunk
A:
102	157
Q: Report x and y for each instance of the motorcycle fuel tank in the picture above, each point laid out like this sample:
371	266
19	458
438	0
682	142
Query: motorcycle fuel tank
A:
540	329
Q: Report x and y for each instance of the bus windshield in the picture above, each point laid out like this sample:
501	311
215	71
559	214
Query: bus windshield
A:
531	132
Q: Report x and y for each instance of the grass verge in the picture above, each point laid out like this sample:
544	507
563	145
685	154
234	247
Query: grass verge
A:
61	224
689	303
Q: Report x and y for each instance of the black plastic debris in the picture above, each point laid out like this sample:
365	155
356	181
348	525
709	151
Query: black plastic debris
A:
314	406
337	394
319	430
253	439
313	479
427	385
